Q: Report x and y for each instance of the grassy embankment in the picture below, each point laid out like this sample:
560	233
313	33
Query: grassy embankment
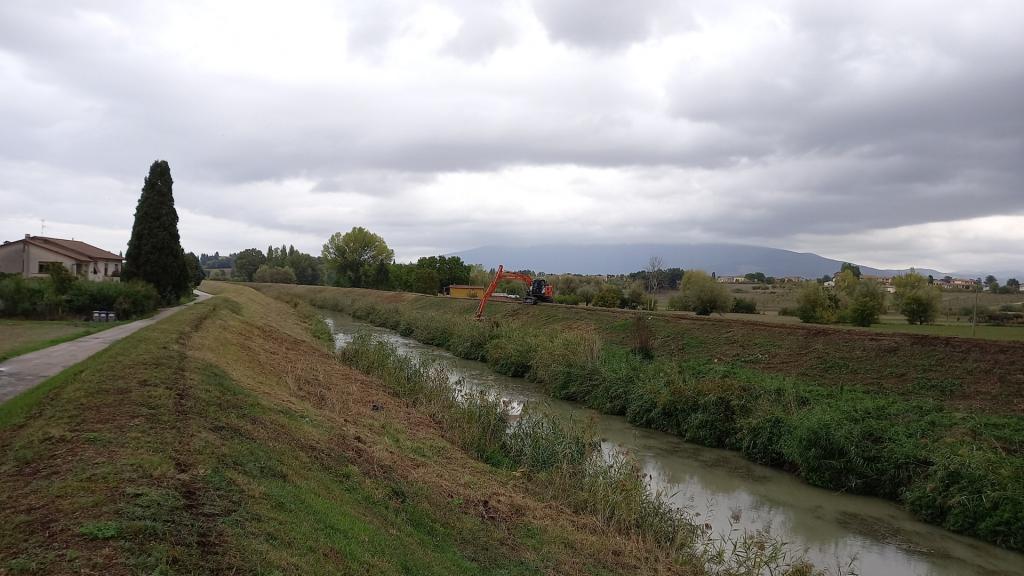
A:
934	423
19	337
227	439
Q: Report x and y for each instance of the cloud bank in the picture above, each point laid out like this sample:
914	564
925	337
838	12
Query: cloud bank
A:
892	135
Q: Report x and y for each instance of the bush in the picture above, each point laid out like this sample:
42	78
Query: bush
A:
866	304
703	295
917	300
816	304
274	275
126	299
744	306
609	297
677	302
570	299
24	297
39	298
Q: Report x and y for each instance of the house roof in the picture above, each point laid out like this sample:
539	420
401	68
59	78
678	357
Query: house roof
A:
72	248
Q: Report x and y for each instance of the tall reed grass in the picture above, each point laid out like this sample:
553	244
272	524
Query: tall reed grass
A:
563	462
962	472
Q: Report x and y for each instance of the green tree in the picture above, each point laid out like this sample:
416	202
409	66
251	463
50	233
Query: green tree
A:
358	259
196	275
1013	285
610	296
867	302
306	267
916	299
274	275
992	283
426	281
758	277
154	250
703	295
450	269
816	304
586	293
478	276
61	282
852	268
247	262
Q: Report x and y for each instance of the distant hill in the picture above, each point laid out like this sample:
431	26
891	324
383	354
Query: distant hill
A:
723	259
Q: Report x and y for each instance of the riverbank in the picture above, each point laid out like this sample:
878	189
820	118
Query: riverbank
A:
932	423
227	439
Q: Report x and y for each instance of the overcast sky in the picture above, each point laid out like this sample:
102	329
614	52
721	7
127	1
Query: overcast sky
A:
889	133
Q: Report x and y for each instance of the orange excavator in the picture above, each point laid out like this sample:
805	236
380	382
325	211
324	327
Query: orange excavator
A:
537	289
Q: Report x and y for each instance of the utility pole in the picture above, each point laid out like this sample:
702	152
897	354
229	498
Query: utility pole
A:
974	321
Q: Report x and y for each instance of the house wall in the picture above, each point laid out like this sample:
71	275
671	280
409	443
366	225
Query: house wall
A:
11	258
37	255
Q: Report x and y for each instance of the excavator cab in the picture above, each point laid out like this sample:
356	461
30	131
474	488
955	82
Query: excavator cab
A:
538	291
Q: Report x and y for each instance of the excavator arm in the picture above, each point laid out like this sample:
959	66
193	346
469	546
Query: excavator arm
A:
503	275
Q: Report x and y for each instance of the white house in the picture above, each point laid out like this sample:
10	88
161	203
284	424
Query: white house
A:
32	256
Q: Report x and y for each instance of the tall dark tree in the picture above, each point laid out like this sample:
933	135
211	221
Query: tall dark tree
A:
154	251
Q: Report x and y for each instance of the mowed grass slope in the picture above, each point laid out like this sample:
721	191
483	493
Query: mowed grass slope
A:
225	439
934	423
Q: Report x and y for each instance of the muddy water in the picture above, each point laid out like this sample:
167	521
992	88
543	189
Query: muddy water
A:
735	495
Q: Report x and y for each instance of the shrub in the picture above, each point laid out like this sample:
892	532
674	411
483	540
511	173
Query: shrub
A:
917	300
571	299
816	304
126	299
609	296
866	303
274	275
703	295
677	302
24	297
744	306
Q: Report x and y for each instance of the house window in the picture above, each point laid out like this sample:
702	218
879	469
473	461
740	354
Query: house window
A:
105	271
44	267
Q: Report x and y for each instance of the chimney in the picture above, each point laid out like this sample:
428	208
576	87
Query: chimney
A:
28	235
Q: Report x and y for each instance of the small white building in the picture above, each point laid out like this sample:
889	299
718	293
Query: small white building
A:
32	256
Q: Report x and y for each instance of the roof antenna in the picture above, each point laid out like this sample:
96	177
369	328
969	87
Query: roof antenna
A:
42	227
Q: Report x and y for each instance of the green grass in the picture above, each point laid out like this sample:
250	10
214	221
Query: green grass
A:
19	337
830	422
226	439
1005	333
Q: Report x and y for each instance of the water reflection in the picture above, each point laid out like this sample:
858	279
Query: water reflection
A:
733	494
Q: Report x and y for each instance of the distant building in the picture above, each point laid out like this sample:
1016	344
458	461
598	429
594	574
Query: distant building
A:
791	279
33	256
464	291
732	279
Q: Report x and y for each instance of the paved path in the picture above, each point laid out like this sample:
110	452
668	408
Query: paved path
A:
23	372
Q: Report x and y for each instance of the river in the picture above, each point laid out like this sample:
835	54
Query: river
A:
731	493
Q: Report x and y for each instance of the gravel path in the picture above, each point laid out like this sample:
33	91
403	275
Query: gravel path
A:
23	372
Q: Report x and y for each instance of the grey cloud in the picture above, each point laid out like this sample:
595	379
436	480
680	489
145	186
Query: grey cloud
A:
608	25
836	120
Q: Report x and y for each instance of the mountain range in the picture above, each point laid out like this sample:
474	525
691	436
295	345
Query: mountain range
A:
722	259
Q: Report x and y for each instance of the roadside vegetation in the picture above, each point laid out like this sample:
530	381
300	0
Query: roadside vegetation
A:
210	462
62	295
909	420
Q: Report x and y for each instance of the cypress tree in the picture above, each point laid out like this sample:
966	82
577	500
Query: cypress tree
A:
154	251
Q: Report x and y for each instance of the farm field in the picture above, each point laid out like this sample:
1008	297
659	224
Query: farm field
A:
919	419
951	322
19	337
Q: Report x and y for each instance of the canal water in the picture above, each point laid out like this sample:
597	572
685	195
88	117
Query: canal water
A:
732	494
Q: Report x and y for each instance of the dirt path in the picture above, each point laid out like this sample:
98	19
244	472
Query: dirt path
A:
23	372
